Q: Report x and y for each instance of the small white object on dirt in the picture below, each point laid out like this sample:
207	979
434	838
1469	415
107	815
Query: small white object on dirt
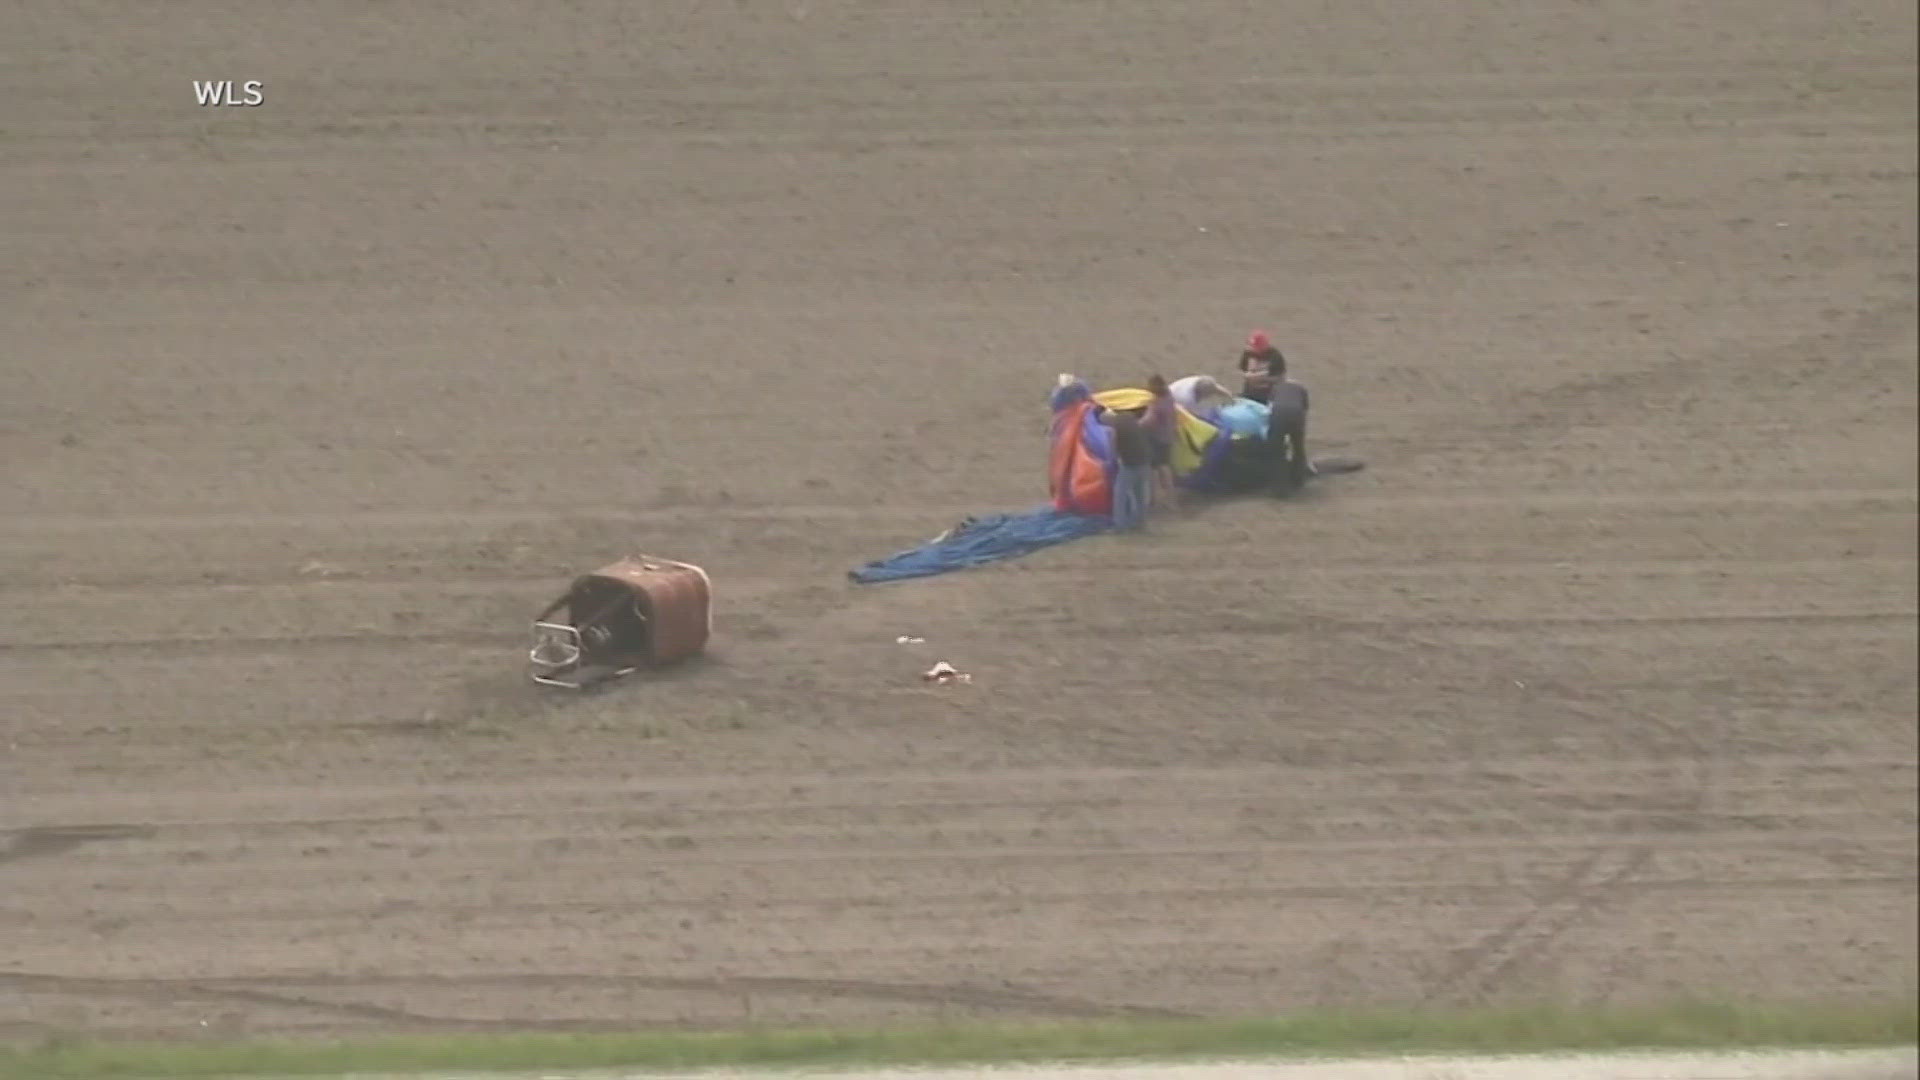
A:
905	640
944	673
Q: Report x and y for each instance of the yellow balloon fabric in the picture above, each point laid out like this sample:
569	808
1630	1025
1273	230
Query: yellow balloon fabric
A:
1192	433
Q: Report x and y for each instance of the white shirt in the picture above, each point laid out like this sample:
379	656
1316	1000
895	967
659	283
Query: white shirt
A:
1186	392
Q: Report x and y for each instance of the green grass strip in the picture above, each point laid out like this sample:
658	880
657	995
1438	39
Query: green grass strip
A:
1324	1033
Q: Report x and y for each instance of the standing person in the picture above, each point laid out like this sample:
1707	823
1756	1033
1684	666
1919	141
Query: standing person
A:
1133	451
1161	423
1261	365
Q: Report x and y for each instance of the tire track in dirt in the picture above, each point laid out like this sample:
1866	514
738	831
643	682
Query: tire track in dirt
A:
383	583
1332	623
478	611
46	841
1595	878
281	992
1478	971
828	906
1054	113
1066	788
386	582
937	514
1530	414
170	992
515	263
241	645
245	646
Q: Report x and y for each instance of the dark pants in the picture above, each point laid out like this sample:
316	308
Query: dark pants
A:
1130	496
1287	443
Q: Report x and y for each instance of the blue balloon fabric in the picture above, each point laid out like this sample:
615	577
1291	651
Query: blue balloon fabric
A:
1245	417
983	540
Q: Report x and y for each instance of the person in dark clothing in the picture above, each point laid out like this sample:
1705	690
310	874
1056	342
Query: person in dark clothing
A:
1161	422
1287	436
1133	453
1261	366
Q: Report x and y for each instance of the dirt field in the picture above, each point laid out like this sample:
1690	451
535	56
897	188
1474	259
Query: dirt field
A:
1599	684
1857	1065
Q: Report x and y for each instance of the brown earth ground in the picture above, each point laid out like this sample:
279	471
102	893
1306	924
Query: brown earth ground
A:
1599	684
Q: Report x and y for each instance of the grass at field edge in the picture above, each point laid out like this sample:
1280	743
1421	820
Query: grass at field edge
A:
1321	1033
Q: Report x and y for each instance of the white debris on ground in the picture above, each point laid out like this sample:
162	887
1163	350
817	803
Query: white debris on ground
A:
943	673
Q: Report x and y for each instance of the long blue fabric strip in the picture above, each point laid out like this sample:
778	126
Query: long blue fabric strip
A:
980	541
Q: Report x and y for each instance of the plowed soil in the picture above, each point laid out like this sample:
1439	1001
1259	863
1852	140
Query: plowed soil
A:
1598	684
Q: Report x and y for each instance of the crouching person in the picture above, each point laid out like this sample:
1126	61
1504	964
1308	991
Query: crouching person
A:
1287	436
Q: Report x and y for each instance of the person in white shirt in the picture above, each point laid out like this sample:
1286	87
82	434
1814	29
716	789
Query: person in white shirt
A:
1199	394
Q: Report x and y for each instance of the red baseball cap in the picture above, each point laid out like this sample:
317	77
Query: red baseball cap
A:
1258	341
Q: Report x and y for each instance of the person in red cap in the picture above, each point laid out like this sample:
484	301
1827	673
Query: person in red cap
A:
1261	365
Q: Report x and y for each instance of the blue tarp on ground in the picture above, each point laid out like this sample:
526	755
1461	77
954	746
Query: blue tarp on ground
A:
983	540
